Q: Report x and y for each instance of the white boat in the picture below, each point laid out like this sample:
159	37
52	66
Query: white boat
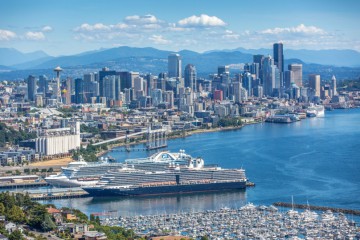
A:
315	111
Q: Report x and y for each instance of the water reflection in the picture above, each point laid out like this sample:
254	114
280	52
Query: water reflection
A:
156	205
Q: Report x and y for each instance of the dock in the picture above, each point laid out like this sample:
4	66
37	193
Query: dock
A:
317	208
58	195
23	185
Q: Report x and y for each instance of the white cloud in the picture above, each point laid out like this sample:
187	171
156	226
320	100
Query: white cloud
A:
34	36
298	29
141	20
202	21
85	27
158	39
47	29
6	35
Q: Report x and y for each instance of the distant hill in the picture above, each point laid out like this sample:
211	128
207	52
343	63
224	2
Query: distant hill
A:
11	56
346	58
103	56
151	60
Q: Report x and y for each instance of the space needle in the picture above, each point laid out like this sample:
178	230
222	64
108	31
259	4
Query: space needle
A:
58	69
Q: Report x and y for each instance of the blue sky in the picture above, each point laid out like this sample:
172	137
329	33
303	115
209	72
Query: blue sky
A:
74	26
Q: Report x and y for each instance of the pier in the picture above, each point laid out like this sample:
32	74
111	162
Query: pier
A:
23	185
58	196
317	208
57	193
156	139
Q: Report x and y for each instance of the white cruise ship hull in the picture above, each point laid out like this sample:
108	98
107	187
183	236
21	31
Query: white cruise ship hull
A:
66	182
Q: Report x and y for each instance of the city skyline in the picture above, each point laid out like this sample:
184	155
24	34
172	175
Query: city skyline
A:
74	27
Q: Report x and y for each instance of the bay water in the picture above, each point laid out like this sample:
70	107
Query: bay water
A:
316	160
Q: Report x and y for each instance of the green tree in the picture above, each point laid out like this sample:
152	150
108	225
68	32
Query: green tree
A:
16	214
48	224
2	209
16	235
37	216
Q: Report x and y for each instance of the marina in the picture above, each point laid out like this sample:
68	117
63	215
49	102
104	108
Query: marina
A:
247	222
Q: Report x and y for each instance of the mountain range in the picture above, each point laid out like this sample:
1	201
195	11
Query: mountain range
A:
18	65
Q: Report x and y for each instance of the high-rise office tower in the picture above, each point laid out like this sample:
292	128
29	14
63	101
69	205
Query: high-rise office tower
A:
297	71
236	89
247	82
288	79
333	85
88	87
168	97
43	84
254	69
223	69
151	83
270	76
259	60
314	84
112	87
190	77
31	84
279	56
79	91
174	65
104	72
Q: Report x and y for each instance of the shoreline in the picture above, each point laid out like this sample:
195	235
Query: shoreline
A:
186	134
60	162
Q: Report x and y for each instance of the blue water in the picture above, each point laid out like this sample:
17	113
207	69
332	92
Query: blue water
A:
315	160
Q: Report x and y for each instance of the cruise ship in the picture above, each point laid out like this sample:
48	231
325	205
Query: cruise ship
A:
195	176
315	111
81	173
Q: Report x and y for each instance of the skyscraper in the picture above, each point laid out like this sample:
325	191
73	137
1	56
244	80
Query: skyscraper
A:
31	84
104	72
270	76
174	65
314	84
289	78
259	60
43	84
88	87
190	77
297	71
223	69
279	56
112	87
79	91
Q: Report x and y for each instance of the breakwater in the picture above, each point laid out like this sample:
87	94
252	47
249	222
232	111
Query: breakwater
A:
317	208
